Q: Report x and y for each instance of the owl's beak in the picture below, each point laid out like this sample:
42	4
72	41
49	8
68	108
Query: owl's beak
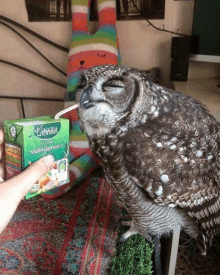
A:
85	101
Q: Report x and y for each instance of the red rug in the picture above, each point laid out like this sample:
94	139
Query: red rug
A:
74	234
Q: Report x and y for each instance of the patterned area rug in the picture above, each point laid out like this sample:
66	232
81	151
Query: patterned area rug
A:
74	234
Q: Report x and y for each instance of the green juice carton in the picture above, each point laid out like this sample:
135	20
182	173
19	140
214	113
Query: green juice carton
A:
27	140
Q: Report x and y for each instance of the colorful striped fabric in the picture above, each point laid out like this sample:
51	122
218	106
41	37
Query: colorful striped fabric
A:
86	50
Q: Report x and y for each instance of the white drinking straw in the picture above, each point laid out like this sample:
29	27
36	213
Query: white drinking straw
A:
66	110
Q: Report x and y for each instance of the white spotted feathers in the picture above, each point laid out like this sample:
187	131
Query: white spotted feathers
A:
160	150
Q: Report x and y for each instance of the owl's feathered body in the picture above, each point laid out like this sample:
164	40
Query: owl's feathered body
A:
160	150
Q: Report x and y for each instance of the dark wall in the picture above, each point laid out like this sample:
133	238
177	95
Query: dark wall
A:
206	26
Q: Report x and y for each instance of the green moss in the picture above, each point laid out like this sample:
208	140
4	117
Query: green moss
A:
132	257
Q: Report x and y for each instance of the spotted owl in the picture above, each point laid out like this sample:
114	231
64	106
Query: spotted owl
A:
159	148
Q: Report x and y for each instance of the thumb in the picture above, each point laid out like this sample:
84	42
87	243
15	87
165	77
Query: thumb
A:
32	174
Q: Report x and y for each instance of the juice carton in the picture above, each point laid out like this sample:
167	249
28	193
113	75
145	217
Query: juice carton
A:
27	140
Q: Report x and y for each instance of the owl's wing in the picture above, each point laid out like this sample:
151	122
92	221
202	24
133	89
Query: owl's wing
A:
174	171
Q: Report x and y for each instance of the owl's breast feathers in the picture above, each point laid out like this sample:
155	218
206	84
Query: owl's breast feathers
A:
173	159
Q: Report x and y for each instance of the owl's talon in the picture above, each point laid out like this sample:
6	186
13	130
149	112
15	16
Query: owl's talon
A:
127	235
147	237
122	239
132	231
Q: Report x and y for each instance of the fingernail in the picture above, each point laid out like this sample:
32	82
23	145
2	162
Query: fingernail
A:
48	160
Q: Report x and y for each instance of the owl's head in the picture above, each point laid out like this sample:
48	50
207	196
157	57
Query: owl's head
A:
112	96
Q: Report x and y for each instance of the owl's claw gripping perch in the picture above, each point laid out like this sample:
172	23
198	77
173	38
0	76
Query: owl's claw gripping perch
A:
122	239
132	231
147	237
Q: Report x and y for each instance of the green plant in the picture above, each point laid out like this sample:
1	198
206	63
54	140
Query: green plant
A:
133	257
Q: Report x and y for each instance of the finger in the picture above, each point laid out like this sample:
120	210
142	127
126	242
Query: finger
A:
32	174
2	172
2	136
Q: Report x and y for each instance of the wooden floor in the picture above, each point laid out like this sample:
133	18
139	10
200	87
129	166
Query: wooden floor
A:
204	89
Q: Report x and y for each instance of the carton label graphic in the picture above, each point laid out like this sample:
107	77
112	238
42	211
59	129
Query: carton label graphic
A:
28	140
47	131
13	159
13	131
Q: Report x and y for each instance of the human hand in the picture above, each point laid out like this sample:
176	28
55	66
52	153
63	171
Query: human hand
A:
12	191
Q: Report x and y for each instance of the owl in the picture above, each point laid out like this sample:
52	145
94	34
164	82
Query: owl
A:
159	148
